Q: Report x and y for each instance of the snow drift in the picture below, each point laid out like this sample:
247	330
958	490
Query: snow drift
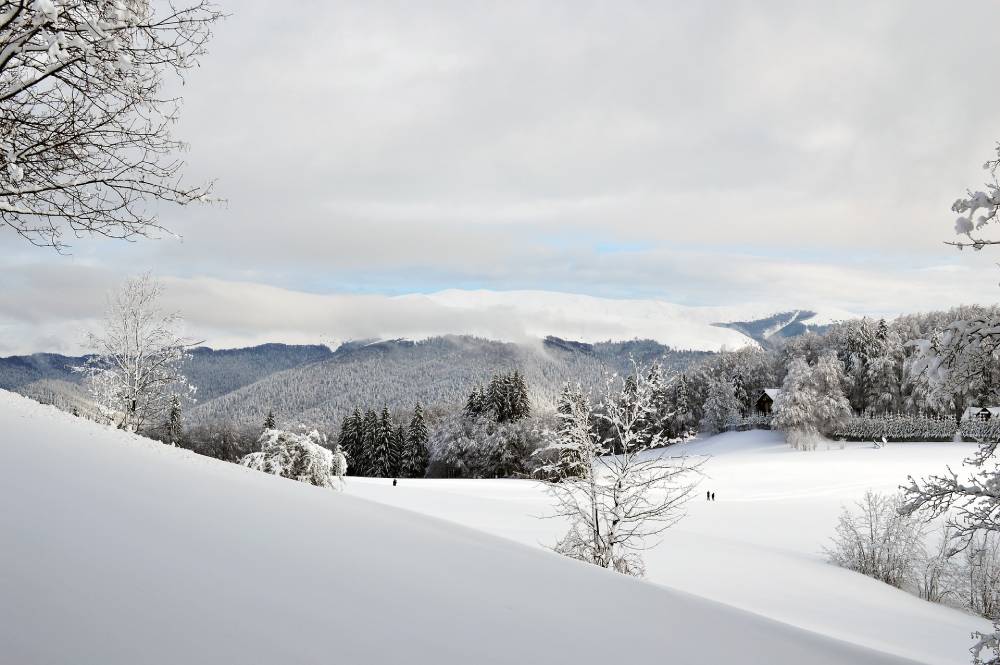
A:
120	550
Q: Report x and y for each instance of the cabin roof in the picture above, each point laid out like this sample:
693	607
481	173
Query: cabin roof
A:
973	411
772	393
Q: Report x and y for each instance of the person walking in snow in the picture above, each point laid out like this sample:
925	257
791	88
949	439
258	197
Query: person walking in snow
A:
393	482
713	496
708	496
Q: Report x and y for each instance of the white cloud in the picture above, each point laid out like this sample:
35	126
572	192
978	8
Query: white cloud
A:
764	153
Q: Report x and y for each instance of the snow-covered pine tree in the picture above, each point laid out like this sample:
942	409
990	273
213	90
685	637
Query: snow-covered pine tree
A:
521	403
416	456
351	441
270	422
475	405
858	352
721	408
884	370
398	450
369	438
812	401
383	460
682	419
832	409
173	429
793	408
569	451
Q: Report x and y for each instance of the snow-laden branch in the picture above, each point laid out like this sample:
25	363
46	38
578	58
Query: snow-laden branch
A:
85	140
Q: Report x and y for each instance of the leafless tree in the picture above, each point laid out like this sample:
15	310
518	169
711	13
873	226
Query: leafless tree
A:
136	368
627	493
877	540
85	141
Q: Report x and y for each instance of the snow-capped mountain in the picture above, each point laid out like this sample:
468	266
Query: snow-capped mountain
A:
771	330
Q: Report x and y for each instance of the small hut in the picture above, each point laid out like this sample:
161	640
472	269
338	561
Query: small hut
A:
765	401
981	413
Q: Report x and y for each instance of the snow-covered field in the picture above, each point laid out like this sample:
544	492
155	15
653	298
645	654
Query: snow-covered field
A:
759	545
119	550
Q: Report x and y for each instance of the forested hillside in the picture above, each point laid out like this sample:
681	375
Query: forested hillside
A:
50	378
440	371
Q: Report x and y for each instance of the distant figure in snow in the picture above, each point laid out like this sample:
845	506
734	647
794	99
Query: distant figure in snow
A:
713	496
393	482
708	496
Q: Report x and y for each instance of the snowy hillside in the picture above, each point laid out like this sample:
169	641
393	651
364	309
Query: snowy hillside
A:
759	545
122	551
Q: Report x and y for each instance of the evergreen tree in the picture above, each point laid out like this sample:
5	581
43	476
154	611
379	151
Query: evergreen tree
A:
369	438
351	442
521	403
721	409
569	454
682	419
884	370
498	398
383	462
415	455
270	422
173	428
398	450
476	403
812	401
857	358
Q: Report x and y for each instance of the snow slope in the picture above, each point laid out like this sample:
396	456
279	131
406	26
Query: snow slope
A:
118	550
759	545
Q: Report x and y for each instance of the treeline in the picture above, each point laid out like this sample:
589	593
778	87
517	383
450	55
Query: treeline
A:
867	370
377	446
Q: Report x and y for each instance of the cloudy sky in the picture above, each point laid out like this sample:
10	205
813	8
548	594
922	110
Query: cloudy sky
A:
785	154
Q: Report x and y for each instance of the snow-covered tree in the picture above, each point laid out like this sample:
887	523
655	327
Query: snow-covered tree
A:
86	144
173	428
884	370
569	451
721	408
135	369
977	210
384	456
270	422
413	462
966	354
812	401
623	500
369	440
302	457
351	439
878	540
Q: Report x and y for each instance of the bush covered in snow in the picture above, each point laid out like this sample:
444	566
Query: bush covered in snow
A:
301	457
877	541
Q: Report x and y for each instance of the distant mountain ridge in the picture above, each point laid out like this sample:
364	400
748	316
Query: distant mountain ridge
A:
437	372
314	384
769	331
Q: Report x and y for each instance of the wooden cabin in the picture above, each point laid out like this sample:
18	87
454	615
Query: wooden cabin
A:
981	413
765	401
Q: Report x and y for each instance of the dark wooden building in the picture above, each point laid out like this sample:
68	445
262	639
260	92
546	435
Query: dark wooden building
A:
765	401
